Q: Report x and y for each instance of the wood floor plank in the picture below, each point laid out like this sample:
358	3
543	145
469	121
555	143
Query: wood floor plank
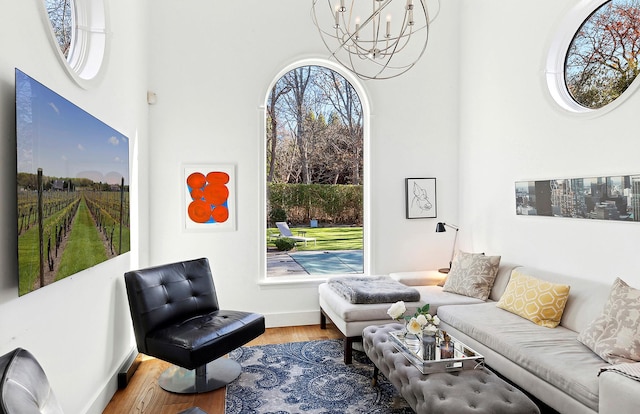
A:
143	395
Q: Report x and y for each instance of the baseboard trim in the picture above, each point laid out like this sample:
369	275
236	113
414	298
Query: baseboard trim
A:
273	320
128	369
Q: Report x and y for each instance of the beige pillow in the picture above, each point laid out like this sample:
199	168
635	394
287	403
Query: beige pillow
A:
472	274
537	300
615	334
444	280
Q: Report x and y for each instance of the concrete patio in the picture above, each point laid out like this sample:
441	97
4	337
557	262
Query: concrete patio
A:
281	263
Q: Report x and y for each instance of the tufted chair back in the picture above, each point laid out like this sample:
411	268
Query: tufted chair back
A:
24	387
161	295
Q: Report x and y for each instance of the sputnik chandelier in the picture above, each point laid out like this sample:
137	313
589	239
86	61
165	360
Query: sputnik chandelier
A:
374	39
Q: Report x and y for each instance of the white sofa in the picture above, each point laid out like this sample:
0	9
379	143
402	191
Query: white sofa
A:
549	363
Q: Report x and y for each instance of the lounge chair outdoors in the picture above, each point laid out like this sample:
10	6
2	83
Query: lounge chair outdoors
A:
285	231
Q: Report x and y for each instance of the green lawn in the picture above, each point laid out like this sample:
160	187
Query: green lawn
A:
328	238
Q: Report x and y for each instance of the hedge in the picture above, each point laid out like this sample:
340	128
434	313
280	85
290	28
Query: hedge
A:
329	204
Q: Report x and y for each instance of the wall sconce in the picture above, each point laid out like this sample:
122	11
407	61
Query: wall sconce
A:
440	228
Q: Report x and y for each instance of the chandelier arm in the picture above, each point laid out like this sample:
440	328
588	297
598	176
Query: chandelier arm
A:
437	13
400	37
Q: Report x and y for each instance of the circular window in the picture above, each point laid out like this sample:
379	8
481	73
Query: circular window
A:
594	66
78	32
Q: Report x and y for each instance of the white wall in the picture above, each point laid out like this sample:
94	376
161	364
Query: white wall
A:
211	65
511	130
78	328
473	113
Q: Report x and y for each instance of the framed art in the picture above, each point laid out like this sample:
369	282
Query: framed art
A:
421	198
72	176
209	197
614	198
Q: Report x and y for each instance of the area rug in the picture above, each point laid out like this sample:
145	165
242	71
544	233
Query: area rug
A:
308	377
330	262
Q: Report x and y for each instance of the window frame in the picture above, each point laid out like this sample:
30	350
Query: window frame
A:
89	47
296	280
554	72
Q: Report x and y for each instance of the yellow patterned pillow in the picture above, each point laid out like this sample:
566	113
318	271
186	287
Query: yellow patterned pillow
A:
539	301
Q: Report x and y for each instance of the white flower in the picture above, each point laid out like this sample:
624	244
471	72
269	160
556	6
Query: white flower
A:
430	329
397	310
436	320
414	326
422	320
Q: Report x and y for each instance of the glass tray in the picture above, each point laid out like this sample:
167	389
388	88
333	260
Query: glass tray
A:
462	356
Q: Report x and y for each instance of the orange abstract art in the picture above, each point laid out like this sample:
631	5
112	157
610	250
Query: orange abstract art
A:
208	201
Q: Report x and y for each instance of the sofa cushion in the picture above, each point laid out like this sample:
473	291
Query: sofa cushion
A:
534	299
554	355
614	335
472	274
436	297
586	298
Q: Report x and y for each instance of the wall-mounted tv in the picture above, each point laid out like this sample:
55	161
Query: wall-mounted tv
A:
73	187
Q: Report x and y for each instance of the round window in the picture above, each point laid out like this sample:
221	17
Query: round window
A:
598	62
78	29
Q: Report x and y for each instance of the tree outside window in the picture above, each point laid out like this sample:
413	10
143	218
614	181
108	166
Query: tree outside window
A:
314	129
61	18
314	167
602	60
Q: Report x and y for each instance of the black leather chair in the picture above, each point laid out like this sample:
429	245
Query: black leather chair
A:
176	318
24	387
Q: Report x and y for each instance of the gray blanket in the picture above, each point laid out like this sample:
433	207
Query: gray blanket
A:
372	289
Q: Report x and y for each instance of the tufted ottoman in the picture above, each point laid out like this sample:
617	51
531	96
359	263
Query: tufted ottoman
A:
467	391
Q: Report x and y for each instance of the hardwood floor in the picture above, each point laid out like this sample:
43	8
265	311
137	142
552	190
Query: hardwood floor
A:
143	395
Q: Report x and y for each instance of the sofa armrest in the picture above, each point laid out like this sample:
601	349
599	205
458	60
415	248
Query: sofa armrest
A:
421	278
618	392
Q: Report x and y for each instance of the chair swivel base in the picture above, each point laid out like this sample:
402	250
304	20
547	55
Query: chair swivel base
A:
216	374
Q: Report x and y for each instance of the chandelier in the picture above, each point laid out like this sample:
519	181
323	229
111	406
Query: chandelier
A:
374	39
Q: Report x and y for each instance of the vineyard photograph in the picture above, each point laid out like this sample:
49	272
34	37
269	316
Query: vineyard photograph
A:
72	187
78	230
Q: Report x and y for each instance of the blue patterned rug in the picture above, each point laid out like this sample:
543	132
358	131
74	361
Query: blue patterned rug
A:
308	377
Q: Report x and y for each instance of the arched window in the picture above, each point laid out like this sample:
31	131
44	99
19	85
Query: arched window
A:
315	173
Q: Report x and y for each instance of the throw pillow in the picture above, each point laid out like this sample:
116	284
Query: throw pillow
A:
615	334
444	279
472	274
534	299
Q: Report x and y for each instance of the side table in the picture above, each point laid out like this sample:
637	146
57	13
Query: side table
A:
477	391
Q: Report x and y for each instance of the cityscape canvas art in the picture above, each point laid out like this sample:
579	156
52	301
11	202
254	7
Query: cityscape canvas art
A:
599	198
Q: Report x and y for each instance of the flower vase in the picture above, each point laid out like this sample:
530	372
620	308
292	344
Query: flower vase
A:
411	340
404	326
